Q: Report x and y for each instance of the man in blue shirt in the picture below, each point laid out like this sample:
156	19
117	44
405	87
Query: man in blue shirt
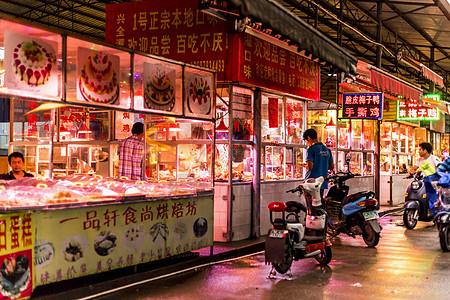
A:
318	158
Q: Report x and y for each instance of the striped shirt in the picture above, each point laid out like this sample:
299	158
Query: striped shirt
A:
131	153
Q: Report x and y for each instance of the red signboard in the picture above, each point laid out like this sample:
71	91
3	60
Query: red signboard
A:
362	106
178	30
262	63
173	29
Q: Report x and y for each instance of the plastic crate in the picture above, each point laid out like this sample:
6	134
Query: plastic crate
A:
333	209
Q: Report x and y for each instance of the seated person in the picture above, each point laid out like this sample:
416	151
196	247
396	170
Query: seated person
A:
16	162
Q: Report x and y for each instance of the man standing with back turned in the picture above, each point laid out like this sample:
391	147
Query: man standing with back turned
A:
131	153
318	158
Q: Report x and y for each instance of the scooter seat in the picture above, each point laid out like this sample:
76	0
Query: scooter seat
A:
358	195
295	207
317	239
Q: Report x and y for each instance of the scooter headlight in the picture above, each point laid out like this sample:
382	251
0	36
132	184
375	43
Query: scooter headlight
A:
415	185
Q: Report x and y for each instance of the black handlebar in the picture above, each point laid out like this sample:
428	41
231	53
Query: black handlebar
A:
294	190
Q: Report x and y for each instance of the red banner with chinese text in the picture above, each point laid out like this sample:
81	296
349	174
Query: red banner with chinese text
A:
173	29
262	63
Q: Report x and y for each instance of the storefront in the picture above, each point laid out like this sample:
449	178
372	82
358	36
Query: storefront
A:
69	103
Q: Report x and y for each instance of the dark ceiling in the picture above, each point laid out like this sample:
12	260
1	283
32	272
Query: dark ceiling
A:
417	30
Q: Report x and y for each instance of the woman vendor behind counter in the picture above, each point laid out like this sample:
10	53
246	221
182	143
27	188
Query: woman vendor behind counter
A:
16	162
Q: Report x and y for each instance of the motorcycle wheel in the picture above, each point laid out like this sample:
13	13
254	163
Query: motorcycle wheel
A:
324	258
371	238
444	237
410	218
287	261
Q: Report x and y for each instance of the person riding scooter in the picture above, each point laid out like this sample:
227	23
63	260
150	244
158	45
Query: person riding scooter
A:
428	164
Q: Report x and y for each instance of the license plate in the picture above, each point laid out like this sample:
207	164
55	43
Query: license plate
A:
369	215
276	233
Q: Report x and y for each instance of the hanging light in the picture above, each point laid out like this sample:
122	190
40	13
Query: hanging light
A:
84	129
173	127
330	124
222	127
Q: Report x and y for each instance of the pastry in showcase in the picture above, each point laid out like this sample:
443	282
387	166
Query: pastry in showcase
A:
33	63
98	80
199	96
159	91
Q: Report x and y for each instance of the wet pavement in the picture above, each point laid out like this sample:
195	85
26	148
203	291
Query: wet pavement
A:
407	264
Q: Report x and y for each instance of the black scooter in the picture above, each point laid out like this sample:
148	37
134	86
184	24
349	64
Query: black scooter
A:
416	202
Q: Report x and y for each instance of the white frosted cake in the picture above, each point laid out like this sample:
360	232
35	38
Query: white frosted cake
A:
98	80
33	63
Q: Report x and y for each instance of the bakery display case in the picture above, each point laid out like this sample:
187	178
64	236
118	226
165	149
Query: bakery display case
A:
67	113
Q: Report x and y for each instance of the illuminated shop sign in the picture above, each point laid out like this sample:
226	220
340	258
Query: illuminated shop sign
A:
414	110
362	106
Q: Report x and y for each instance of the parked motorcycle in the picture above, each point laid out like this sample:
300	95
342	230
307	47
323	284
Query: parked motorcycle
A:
354	214
416	202
289	239
442	218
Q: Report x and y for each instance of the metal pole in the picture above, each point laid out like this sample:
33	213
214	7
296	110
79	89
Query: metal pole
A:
377	127
256	186
230	169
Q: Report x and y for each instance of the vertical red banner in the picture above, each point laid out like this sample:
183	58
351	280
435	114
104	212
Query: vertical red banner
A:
273	113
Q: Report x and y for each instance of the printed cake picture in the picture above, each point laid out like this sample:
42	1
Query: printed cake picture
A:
32	64
159	91
98	77
198	94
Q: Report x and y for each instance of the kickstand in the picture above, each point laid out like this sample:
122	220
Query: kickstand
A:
272	274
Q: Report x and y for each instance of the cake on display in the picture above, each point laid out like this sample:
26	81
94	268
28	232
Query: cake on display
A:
199	96
159	91
33	63
98	80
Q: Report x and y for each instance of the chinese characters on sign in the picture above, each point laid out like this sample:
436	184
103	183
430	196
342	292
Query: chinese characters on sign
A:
97	239
172	29
265	64
414	110
362	106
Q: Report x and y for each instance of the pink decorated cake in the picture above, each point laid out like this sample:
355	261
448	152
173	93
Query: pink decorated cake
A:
98	80
33	63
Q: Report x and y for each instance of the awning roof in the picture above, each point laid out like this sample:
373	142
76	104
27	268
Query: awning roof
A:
281	21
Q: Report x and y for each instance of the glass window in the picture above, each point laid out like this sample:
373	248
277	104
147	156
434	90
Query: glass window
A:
125	122
410	139
299	171
385	163
294	121
367	163
31	126
356	135
116	89
395	137
369	134
385	137
242	114
274	162
242	162
272	127
344	134
36	72
221	162
222	113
